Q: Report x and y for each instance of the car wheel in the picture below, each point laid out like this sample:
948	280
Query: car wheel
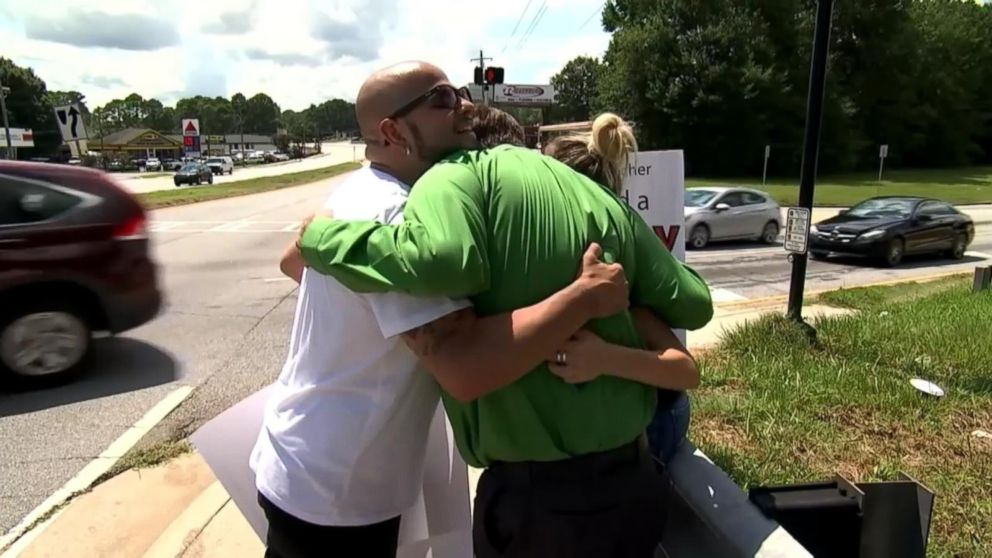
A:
819	255
699	237
769	235
959	247
210	179
894	251
197	181
176	182
42	343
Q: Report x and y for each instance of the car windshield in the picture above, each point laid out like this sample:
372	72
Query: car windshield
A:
210	161
190	168
698	198
884	207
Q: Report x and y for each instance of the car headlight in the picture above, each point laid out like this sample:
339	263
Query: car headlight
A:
813	230
871	235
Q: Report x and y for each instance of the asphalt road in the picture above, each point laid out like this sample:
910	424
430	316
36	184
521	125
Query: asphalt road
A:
740	271
332	154
226	325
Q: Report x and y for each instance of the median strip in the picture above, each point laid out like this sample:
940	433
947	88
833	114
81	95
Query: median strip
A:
185	196
776	408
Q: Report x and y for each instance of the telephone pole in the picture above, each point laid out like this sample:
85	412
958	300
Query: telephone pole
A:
482	65
8	153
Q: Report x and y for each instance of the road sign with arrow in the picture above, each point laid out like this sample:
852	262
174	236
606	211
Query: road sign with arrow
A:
70	120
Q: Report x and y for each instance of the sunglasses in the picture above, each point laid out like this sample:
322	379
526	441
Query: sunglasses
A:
443	96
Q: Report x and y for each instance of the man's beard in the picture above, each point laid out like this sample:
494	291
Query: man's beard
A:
425	152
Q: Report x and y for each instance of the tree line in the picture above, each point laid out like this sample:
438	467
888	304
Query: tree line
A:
30	105
721	80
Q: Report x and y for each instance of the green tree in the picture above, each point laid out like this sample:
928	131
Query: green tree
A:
62	98
28	106
576	89
261	114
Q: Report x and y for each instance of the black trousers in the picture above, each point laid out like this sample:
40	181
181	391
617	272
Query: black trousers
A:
607	505
289	537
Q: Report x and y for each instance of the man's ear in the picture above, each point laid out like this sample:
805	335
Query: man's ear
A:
390	132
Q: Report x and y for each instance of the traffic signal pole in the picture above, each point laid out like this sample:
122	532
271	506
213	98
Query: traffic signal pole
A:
811	144
482	67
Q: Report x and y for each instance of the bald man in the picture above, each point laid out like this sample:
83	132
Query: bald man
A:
341	451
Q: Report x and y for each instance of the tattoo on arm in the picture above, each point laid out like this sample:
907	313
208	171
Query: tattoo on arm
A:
429	339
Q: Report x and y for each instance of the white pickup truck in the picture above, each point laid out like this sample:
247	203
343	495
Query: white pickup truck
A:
221	165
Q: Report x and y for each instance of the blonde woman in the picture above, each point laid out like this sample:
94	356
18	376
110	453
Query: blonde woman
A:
603	155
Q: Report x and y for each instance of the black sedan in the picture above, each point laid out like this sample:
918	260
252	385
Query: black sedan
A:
194	173
888	228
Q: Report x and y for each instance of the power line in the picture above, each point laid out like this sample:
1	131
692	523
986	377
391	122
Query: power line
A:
515	27
599	10
534	23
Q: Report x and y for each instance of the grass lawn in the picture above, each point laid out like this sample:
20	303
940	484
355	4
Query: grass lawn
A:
183	196
958	186
774	409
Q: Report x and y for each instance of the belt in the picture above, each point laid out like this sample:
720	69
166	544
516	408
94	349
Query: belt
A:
575	469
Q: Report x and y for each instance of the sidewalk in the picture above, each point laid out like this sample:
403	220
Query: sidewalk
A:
179	510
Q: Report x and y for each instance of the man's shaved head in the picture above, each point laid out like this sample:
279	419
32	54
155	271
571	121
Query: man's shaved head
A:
390	88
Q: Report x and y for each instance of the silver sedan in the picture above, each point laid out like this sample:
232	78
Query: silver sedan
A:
713	214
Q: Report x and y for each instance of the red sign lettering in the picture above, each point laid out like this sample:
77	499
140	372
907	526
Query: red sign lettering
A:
668	237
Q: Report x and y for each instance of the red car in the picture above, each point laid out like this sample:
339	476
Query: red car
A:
74	259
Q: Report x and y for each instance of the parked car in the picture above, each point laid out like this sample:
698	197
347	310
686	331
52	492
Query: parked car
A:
889	228
220	165
75	161
193	173
153	164
730	213
74	260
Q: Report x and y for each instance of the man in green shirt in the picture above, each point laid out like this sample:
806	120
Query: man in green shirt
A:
505	227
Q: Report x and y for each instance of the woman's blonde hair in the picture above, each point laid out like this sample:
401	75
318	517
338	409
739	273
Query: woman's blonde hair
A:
602	155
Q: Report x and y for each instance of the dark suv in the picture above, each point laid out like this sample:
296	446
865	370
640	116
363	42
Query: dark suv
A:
74	259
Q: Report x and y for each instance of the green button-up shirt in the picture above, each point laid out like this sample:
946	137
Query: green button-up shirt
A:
507	227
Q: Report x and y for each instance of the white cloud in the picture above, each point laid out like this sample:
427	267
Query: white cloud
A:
297	51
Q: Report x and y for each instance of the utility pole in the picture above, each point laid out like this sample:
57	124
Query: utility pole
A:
811	145
482	64
6	125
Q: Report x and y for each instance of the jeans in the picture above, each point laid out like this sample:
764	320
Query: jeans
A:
669	427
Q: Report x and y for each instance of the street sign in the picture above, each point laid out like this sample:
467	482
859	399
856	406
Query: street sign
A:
19	137
883	151
191	126
191	146
797	230
216	139
768	151
70	121
515	94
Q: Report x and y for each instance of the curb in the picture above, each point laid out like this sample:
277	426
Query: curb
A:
779	299
183	531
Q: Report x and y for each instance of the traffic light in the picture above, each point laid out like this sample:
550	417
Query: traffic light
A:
494	75
478	75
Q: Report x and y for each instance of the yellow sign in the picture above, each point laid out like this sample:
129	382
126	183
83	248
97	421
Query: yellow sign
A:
216	139
151	139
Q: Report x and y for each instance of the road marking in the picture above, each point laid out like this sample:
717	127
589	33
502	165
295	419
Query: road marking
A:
978	255
724	295
165	225
233	226
88	475
292	227
276	279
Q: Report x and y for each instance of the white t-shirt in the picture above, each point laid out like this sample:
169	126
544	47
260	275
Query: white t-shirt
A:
346	429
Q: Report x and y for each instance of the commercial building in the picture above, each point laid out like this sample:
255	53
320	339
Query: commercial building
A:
142	142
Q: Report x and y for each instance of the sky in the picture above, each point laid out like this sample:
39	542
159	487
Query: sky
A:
297	51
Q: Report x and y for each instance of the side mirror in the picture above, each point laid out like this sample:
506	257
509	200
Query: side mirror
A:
721	207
